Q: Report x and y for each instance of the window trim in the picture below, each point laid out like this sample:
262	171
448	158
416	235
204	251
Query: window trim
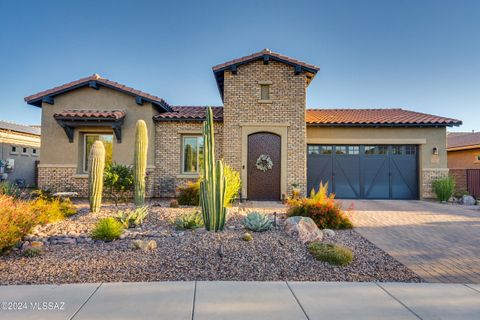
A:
11	149
85	135
182	164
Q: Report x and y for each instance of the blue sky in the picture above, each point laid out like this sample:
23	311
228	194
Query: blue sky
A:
418	55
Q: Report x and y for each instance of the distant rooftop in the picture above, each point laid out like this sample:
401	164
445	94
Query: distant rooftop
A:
463	140
10	126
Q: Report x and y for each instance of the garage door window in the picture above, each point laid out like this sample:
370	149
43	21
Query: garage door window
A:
341	149
353	150
397	150
326	149
313	150
375	150
410	150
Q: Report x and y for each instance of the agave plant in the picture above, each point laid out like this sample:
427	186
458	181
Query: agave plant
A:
257	221
132	218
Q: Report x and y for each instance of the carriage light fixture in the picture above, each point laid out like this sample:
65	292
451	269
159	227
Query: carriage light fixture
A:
435	150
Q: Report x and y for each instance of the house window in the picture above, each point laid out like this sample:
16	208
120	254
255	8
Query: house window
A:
265	92
14	149
34	151
24	150
477	158
192	154
88	141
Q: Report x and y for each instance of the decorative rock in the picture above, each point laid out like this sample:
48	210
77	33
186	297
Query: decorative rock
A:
144	245
468	200
67	241
303	229
36	244
247	237
328	232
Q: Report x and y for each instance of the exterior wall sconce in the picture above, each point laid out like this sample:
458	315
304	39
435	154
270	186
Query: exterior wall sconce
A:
435	151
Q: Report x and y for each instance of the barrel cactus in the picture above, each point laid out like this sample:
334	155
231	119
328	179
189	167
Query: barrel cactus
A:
256	221
96	164
213	186
140	162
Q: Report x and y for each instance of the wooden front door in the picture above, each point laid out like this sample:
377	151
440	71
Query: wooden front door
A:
264	162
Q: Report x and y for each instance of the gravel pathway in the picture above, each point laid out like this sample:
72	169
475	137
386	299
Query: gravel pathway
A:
193	255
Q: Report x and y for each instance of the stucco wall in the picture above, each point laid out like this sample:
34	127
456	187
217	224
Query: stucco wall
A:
61	161
464	159
58	150
285	113
168	149
430	166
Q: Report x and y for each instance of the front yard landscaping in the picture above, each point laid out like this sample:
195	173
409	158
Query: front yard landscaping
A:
70	255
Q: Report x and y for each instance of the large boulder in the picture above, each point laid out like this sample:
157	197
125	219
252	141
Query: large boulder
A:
468	200
303	229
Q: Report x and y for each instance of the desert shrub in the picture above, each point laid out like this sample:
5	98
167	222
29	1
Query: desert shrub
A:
32	252
132	218
107	229
444	188
10	189
322	208
331	253
118	181
191	220
234	184
53	210
189	193
256	221
16	220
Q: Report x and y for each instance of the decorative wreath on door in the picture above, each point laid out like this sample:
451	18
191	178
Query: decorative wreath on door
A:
264	162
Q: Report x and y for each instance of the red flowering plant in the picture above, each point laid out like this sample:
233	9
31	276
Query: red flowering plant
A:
322	208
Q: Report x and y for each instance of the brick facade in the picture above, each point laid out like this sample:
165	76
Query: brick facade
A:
287	106
168	154
66	179
428	176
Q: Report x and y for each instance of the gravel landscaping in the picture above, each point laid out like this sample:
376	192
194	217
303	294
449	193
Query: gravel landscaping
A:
70	255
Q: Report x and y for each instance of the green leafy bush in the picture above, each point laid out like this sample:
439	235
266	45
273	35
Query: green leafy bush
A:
331	253
191	220
256	221
189	193
10	189
118	180
322	208
16	220
444	188
132	218
107	229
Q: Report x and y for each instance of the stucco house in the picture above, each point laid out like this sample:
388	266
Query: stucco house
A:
363	153
463	153
19	153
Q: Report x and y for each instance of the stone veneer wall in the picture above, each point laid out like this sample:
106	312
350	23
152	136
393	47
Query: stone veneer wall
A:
428	176
288	101
168	154
66	179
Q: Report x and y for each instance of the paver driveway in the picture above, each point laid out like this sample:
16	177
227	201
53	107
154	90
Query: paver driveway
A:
439	242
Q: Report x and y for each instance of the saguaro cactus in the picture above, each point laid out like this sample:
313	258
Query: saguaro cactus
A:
96	163
213	186
140	162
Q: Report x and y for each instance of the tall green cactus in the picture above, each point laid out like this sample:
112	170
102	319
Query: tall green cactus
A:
140	162
96	164
213	186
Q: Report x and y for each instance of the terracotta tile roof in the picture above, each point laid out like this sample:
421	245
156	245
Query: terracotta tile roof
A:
375	117
90	114
189	113
260	54
35	98
463	140
10	126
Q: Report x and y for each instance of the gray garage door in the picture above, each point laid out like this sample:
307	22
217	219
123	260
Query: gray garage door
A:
364	171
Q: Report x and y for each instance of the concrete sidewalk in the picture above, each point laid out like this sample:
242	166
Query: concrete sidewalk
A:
241	300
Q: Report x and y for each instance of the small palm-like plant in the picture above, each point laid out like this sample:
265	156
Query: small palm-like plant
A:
107	229
257	221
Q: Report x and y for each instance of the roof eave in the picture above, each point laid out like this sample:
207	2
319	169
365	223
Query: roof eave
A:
438	125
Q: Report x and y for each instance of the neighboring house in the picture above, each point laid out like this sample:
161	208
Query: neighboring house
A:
19	152
363	153
464	160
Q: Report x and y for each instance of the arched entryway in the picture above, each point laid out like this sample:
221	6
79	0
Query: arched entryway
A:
264	166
